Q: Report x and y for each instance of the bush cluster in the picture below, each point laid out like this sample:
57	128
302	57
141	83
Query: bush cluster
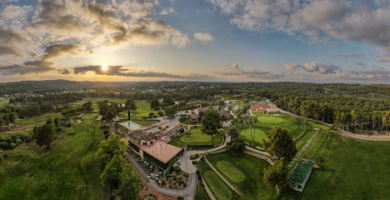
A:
12	142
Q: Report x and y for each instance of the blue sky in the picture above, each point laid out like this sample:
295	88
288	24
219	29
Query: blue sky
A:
205	40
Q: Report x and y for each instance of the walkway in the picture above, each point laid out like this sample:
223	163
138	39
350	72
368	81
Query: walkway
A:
258	151
187	192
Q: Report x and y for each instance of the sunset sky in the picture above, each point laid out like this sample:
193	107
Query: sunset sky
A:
202	40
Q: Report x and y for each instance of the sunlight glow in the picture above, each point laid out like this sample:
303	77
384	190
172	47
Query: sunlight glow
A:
104	66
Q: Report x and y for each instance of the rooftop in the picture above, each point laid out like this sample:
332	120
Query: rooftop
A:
161	150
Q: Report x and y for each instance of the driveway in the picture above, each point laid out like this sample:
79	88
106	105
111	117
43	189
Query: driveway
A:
187	192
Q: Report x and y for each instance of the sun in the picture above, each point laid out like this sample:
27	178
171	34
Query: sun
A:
104	66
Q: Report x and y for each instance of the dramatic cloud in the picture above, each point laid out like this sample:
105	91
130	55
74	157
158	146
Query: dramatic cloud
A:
167	11
351	55
74	27
253	73
321	68
121	71
313	20
362	64
292	67
64	71
204	37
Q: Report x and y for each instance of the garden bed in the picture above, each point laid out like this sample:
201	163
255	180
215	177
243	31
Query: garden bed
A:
176	180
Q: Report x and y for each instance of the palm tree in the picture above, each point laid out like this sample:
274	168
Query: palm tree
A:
250	125
254	121
240	120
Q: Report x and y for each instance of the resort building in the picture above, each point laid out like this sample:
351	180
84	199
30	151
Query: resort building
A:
154	146
200	112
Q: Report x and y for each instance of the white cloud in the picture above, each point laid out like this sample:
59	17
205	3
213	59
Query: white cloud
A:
292	67
204	37
320	68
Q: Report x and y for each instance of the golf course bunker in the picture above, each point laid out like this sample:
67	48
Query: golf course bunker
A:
316	129
130	125
230	171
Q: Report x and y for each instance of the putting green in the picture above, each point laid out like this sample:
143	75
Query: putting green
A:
230	172
270	119
217	186
196	136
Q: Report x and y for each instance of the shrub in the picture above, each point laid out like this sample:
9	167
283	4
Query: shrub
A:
0	158
151	114
177	169
159	127
22	137
10	140
182	130
194	162
166	126
185	184
106	132
71	133
13	145
59	129
195	127
29	139
14	138
107	126
180	198
5	155
68	124
160	113
3	140
18	141
174	178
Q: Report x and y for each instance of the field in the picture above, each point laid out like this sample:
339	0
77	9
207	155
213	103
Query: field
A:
219	188
38	120
266	122
3	103
68	170
146	122
245	172
197	137
143	107
201	194
228	97
349	169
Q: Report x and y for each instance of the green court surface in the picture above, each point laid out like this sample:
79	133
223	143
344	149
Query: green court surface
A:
245	172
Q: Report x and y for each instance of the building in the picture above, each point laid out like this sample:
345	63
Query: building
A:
200	112
224	113
301	174
193	117
154	146
259	107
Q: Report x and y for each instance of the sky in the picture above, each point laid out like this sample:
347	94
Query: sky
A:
196	40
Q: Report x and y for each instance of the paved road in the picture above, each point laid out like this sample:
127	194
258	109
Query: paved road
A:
187	192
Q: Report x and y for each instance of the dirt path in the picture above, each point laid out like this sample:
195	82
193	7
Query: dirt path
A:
19	129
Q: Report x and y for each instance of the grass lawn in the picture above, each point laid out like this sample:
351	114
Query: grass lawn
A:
6	135
266	122
228	97
146	122
349	169
245	172
219	188
201	194
197	137
3	103
39	119
68	170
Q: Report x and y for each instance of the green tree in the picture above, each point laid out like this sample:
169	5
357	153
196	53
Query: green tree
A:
133	106
103	107
386	119
46	135
88	106
110	114
49	121
111	175
211	123
280	144
6	118
127	106
1	120
130	183
154	104
108	148
170	111
276	174
56	121
254	121
12	118
236	146
233	132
